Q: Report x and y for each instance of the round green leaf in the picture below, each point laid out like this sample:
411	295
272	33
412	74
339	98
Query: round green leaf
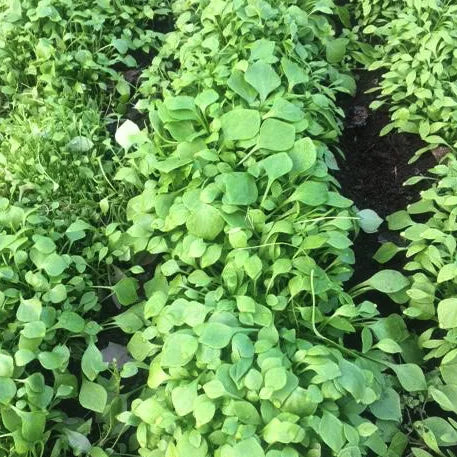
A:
447	313
23	356
93	396
276	378
80	144
216	335
248	448
336	49
388	281
6	366
54	264
287	111
240	124
276	135
44	244
125	291
203	410
178	350
277	165
369	220
240	189
34	330
311	193
388	407
205	222
58	294
411	377
303	155
183	398
277	431
262	78
33	425
7	390
92	362
56	359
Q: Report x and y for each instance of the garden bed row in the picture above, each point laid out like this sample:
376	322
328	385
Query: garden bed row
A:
421	99
190	287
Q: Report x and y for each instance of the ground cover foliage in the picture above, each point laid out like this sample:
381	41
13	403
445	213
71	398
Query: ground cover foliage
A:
252	236
416	49
177	288
414	40
59	218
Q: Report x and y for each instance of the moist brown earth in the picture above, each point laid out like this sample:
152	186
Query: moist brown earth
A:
372	175
376	167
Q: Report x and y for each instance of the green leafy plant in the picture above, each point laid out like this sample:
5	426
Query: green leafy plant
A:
214	242
59	392
49	47
48	303
430	248
245	312
416	47
375	13
213	42
59	156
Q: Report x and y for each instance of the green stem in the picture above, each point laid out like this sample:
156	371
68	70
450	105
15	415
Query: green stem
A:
266	192
351	352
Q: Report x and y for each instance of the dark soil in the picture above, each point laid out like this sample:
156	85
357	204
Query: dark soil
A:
376	167
372	175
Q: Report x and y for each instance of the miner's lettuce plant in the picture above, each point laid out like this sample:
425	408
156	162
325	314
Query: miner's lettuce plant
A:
214	44
50	315
250	240
427	228
60	254
59	156
416	47
213	246
47	47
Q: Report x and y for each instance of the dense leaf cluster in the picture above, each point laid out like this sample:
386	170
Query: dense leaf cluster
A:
57	246
183	295
47	300
58	156
246	314
418	49
47	47
428	229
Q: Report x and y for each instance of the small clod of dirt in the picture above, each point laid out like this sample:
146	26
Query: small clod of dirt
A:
440	152
132	76
357	116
